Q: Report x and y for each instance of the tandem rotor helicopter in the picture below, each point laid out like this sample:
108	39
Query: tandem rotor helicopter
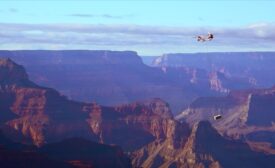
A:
203	38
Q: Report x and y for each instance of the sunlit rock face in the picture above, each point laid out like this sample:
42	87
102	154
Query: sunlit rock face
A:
204	147
34	114
246	115
38	115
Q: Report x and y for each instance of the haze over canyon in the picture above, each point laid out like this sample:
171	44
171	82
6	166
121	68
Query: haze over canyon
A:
85	108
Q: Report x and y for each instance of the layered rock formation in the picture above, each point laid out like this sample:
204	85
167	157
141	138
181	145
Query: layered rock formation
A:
247	115
107	77
41	116
113	77
33	114
133	125
38	115
204	148
253	67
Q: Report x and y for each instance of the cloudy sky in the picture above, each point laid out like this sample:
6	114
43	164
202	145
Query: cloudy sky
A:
149	27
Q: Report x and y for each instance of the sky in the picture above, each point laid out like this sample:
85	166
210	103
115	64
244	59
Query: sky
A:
151	27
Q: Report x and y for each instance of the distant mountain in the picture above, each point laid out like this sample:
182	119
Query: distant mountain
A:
204	148
247	115
148	60
113	77
256	67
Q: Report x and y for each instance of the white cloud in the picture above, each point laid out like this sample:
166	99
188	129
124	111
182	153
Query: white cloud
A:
252	37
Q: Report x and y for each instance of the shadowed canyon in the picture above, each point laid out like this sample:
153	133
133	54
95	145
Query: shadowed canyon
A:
98	109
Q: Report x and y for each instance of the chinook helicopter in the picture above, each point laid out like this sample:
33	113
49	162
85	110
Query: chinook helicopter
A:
201	38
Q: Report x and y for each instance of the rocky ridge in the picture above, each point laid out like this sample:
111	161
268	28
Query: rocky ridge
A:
247	115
